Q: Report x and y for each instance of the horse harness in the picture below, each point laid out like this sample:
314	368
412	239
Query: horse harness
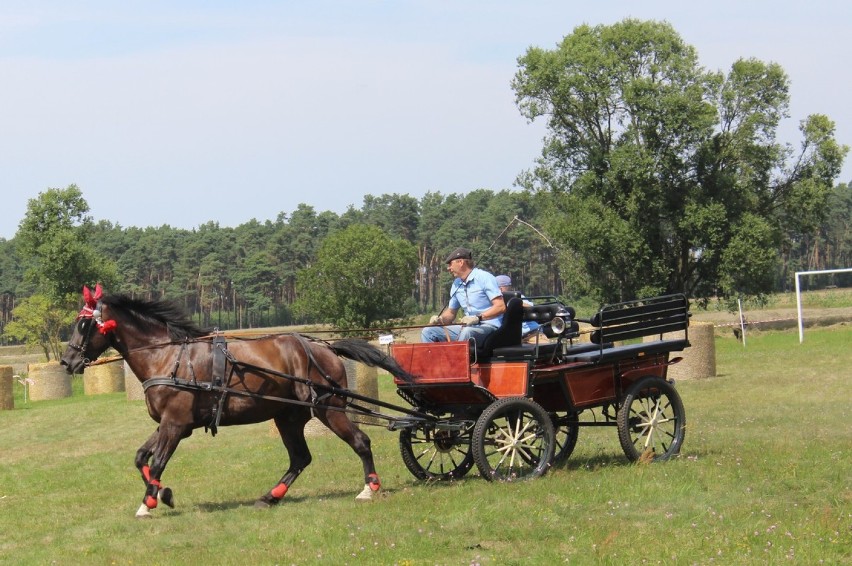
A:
220	380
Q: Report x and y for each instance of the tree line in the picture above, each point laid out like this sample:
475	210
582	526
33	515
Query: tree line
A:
246	276
656	176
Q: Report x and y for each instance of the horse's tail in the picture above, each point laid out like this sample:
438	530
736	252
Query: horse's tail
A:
364	352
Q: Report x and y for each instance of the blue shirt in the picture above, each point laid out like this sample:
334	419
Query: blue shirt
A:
474	296
528	325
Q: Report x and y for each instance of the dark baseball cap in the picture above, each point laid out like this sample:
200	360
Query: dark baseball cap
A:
459	253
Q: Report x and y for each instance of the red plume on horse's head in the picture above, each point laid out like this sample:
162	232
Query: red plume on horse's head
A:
92	299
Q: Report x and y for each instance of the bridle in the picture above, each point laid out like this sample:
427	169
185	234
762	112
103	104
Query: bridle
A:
91	311
93	316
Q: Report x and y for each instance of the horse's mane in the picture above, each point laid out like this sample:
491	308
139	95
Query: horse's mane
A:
166	313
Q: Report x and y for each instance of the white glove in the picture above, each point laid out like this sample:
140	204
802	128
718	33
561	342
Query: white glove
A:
470	320
436	320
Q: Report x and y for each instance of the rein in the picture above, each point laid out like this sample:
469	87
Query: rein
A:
330	390
205	386
318	391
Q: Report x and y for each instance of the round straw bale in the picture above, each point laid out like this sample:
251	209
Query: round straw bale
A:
7	399
132	385
104	378
50	381
363	379
699	360
313	428
585	333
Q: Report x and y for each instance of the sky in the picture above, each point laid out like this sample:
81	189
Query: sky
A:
183	113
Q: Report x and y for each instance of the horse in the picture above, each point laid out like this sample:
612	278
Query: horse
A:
193	378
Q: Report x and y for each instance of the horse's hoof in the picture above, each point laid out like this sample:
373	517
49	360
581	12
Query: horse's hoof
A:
366	494
265	502
143	512
166	496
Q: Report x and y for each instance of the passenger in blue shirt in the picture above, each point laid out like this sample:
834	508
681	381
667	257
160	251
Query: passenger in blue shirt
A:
529	326
476	293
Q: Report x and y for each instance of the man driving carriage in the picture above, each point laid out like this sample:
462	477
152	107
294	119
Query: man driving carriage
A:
476	293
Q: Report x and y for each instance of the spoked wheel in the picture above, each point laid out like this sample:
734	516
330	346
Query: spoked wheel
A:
651	421
566	429
513	440
432	454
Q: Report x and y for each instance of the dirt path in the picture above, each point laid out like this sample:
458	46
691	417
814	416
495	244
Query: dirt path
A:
778	318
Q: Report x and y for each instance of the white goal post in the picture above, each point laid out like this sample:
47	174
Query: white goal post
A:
799	294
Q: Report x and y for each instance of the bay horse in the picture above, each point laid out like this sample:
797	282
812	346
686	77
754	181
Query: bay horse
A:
193	378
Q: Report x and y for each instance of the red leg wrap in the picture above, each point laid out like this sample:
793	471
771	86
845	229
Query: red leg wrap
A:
373	481
146	473
151	500
279	490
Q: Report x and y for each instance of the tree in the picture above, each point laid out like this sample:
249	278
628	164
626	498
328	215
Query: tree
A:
830	247
257	283
362	278
654	167
53	241
11	275
39	321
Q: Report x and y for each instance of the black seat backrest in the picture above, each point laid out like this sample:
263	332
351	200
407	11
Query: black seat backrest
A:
509	333
541	314
645	317
507	295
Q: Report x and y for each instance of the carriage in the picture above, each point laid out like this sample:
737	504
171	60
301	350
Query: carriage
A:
512	407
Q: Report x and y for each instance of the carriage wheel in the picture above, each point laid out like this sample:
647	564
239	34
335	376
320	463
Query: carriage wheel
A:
566	430
513	440
431	454
651	421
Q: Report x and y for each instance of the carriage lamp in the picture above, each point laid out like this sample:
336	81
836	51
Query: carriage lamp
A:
557	325
562	320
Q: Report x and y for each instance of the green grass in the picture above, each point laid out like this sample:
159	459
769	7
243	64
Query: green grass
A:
765	477
823	298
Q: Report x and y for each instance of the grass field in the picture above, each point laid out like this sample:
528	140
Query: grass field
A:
765	477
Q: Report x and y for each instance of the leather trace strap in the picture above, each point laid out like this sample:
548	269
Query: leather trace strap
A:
220	355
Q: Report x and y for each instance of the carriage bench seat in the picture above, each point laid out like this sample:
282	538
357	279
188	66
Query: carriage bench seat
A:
528	351
532	351
625	322
615	353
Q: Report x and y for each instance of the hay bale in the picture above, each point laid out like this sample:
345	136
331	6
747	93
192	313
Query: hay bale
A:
361	379
585	333
104	378
699	360
7	399
49	381
313	428
132	385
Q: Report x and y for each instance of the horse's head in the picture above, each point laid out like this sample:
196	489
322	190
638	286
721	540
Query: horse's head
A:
91	334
